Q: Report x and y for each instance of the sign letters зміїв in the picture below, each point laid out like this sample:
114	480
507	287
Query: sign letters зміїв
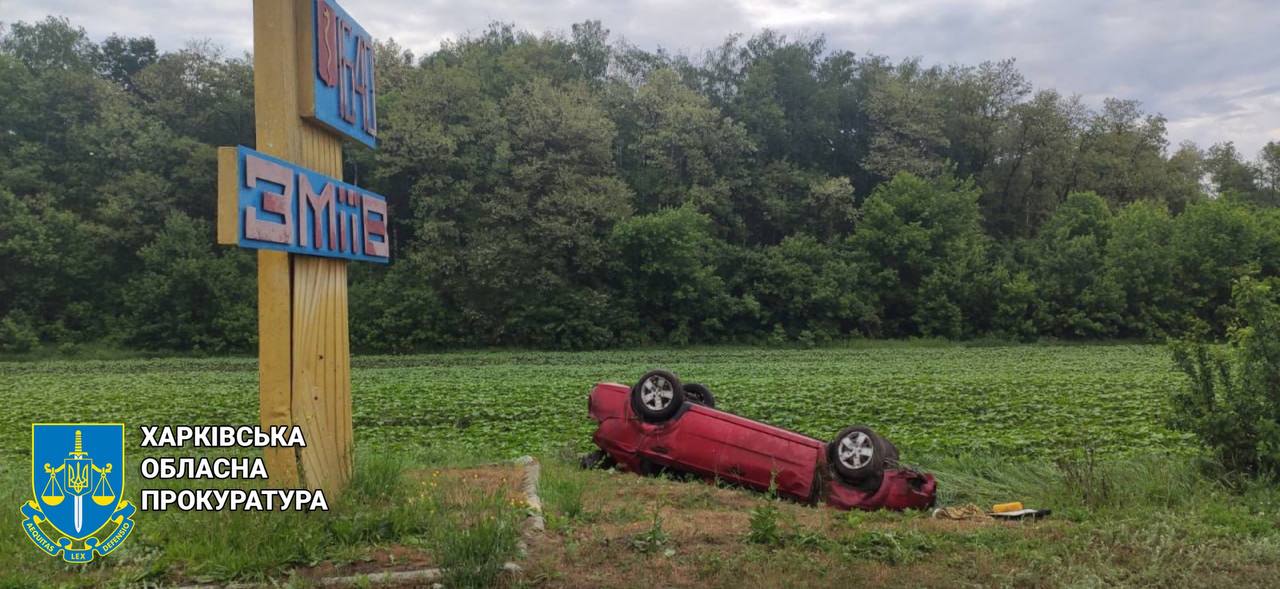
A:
281	206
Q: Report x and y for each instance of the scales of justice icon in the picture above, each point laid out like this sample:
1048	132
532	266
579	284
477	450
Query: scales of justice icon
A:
80	477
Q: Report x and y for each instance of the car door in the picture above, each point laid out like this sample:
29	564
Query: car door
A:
759	456
691	442
719	445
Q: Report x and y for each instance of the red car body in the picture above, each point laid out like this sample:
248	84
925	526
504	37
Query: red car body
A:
714	444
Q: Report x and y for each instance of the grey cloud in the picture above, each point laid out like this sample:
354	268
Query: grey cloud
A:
172	23
1210	67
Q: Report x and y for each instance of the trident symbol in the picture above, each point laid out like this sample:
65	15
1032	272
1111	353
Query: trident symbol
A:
77	478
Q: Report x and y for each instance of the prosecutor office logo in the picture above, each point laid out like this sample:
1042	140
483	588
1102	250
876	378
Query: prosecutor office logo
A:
77	482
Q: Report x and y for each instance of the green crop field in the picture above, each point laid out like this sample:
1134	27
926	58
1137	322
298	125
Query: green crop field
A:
1149	513
1037	401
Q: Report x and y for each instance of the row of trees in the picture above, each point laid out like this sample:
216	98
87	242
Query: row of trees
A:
566	191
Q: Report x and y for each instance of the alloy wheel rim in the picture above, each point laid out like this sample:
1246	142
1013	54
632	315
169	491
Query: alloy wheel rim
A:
656	393
856	450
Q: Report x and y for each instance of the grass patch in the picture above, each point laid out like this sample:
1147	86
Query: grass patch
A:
1140	521
652	538
562	488
1123	515
765	528
932	398
389	509
474	540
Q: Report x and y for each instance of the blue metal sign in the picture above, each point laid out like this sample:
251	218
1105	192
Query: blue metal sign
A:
342	74
281	206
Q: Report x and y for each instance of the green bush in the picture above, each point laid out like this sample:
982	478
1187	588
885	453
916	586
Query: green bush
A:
663	266
1078	298
1232	401
189	295
764	528
922	244
17	335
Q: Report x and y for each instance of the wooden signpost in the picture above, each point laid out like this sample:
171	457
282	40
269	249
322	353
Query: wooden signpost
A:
313	85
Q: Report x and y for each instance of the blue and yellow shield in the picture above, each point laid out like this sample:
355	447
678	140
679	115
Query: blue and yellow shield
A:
77	483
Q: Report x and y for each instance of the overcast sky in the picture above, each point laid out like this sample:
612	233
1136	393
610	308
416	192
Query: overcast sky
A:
1212	68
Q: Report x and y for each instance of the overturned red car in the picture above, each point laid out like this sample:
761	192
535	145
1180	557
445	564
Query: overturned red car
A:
661	424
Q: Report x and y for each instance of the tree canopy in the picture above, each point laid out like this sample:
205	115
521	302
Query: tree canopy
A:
569	191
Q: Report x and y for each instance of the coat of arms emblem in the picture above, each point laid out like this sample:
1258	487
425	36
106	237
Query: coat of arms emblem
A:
77	482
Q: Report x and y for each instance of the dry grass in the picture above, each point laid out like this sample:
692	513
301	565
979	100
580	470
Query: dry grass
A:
705	541
455	488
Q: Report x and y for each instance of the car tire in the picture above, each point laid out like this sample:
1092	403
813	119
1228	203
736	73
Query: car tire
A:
657	396
870	484
700	394
857	453
890	454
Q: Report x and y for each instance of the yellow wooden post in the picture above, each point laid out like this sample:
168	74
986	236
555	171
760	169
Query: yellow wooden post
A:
310	73
303	345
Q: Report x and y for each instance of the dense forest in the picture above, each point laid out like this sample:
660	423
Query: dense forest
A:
568	191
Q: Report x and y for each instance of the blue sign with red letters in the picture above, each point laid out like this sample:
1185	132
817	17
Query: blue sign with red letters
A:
281	206
345	92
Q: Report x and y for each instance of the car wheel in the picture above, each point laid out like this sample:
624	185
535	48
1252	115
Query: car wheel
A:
657	396
700	394
857	453
870	484
890	454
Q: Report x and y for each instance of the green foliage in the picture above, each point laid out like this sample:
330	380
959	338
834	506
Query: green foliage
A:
1034	401
890	547
1025	184
1079	298
763	527
52	43
804	287
654	537
1216	243
473	544
1121	154
573	191
664	269
393	310
562	487
379	477
923	244
1232	398
539	230
1017	304
387	510
1140	261
906	122
17	334
89	173
187	296
678	147
1231	176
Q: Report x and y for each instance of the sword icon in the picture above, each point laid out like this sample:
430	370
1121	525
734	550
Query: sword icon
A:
78	473
79	512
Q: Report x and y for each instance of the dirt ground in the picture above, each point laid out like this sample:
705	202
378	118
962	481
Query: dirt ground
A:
459	486
636	531
608	529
